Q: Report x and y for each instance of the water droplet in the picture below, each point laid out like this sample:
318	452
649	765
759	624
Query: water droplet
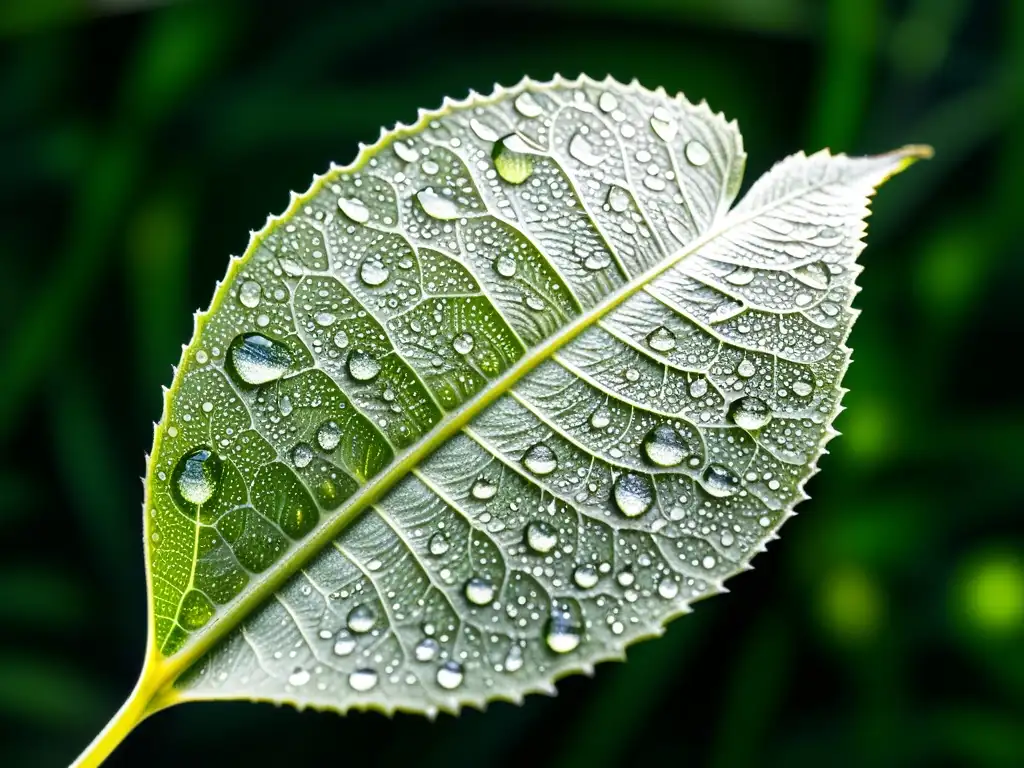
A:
438	544
633	494
483	132
483	489
361	366
607	102
746	369
720	481
427	649
600	418
197	475
750	413
405	153
665	447
514	659
429	167
299	676
373	272
344	644
664	124
256	360
740	276
541	537
585	576
596	261
803	388
661	339
505	265
581	150
814	275
437	206
728	539
618	199
513	159
302	454
250	294
708	562
668	588
479	591
527	106
562	633
632	374
355	209
341	339
535	303
361	619
540	459
362	680
463	344
449	675
696	153
329	435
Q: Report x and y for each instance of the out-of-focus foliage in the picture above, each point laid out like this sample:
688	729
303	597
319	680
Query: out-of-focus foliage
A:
137	141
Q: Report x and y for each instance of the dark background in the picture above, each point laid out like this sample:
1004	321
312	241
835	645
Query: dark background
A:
139	144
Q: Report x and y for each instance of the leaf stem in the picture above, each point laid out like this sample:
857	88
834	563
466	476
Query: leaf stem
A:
135	709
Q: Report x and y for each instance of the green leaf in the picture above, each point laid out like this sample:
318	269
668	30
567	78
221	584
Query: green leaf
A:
495	401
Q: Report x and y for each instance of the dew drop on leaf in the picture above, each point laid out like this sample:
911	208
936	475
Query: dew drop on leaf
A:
541	537
438	544
373	272
483	489
750	413
665	447
505	265
329	435
527	106
198	475
696	153
479	590
585	576
363	679
437	206
299	676
513	159
254	359
344	644
540	459
250	294
463	344
361	619
633	494
362	366
661	339
618	199
450	675
562	632
664	124
426	649
720	481
354	209
302	454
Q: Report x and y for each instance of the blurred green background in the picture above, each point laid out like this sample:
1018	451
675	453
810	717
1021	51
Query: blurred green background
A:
139	144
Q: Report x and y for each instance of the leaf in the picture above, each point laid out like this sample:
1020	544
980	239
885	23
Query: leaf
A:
495	401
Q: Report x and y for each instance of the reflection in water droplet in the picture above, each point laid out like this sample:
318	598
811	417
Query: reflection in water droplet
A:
302	454
661	339
750	413
479	591
527	106
250	294
618	199
437	206
329	435
344	644
541	537
633	494
665	447
427	649
354	209
696	153
720	481
255	359
505	265
361	619
198	475
449	675
438	544
362	680
585	576
513	158
463	344
299	676
540	459
373	272
361	366
664	124
581	150
562	633
483	489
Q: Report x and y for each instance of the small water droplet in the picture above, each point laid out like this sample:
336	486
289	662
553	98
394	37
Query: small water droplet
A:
750	413
197	475
361	619
450	675
355	209
527	106
632	374
373	272
698	387
302	454
585	576
802	388
344	644
581	150
514	659
479	591
600	418
708	562
541	537
438	544
618	198
250	294
299	676
505	265
661	339
341	339
696	153
363	680
540	459
665	447
427	649
255	359
483	489
746	369
463	344
664	124
633	494
362	366
329	435
720	481
562	633
285	405
513	158
437	206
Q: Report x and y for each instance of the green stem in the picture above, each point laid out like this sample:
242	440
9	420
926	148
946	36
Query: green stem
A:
136	709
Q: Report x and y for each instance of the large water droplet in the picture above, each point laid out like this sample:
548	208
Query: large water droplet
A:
618	199
513	158
427	649
483	132
302	454
483	489
437	206
527	106
250	294
585	576
344	644
607	102
540	459
581	150
505	265
361	619
341	339
405	153
362	366
661	339
299	676
363	680
355	209
438	544
668	588
720	481
696	153
479	590
633	494
541	537
665	447
463	344
802	388
373	272
750	413
198	475
600	418
698	387
255	359
329	435
450	675
664	124
562	633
